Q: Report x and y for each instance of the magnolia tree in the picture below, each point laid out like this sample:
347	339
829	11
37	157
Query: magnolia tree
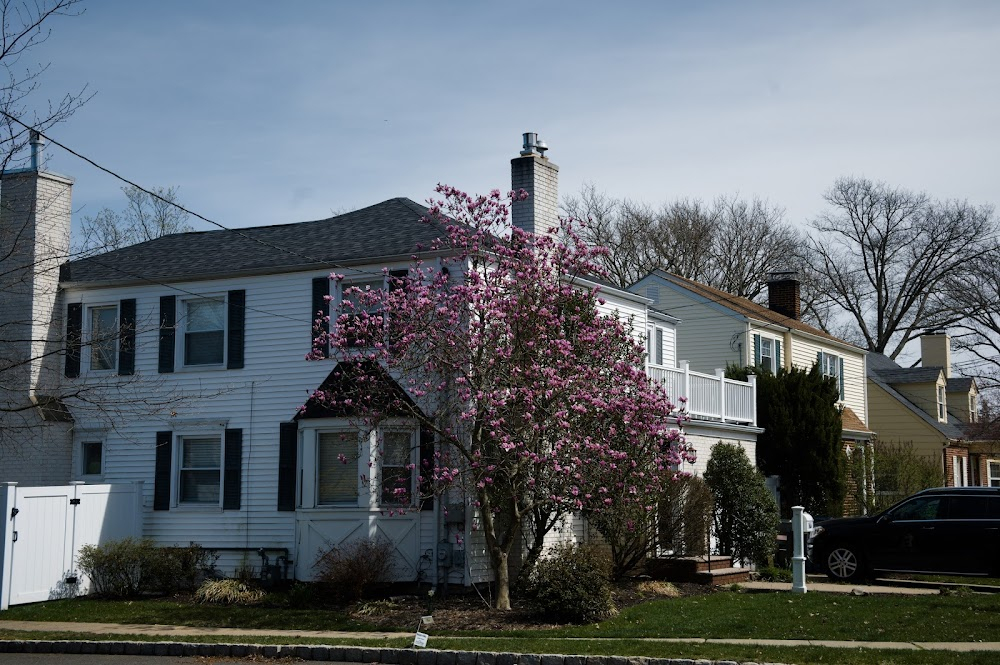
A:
539	403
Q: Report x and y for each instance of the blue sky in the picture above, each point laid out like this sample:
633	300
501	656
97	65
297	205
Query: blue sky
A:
266	112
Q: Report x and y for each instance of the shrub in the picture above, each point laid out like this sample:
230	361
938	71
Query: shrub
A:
746	517
349	570
130	567
572	584
228	592
685	516
118	568
896	470
774	574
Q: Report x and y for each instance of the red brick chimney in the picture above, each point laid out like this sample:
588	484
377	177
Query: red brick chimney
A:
783	293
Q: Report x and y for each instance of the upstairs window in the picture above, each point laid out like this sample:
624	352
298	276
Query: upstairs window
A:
832	366
204	331
942	405
767	353
654	342
103	337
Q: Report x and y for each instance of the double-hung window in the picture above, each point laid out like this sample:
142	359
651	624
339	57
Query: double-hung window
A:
993	472
397	468
357	468
942	405
103	337
832	366
199	476
654	341
204	331
338	476
767	353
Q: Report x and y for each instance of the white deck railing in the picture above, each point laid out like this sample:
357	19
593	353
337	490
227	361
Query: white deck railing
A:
710	397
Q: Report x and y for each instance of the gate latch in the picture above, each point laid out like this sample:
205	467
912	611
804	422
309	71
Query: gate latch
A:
74	502
14	512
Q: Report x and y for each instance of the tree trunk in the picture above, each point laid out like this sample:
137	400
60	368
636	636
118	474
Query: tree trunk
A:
500	567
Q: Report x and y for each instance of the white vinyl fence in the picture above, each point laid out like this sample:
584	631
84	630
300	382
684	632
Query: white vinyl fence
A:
45	527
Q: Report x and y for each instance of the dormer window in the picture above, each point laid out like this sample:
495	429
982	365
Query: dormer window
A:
942	405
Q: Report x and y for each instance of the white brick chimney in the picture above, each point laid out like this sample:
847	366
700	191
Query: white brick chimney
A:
535	174
35	212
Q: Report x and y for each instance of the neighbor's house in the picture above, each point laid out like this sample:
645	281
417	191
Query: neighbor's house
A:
928	407
722	329
199	339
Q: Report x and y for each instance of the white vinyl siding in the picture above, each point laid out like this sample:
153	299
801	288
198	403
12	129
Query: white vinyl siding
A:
805	352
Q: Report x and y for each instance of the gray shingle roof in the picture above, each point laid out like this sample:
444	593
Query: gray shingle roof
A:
388	229
911	375
960	384
884	372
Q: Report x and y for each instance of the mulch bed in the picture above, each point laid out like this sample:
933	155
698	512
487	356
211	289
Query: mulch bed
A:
465	610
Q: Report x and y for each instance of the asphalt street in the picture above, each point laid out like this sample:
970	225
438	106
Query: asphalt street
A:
92	659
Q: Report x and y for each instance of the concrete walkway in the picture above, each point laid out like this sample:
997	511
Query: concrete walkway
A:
341	637
831	587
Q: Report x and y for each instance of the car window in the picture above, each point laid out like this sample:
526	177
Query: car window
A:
967	507
993	509
923	508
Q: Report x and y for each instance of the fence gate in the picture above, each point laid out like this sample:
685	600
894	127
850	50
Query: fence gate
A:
44	529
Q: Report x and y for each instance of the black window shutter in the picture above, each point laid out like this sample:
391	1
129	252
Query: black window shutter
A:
74	332
126	337
320	307
288	445
426	467
236	301
168	334
232	478
161	476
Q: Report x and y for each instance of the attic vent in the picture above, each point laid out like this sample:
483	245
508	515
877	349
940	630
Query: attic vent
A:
653	293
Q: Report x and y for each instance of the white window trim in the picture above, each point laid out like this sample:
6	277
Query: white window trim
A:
990	478
86	357
193	430
89	435
942	404
181	336
368	466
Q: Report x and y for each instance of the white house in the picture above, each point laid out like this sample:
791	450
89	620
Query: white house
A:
194	344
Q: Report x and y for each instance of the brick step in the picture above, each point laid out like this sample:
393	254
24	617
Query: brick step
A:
723	576
686	566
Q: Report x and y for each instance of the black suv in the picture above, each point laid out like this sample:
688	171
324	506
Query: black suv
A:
951	530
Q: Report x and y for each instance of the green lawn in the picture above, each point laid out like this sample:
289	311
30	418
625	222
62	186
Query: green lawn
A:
966	617
628	647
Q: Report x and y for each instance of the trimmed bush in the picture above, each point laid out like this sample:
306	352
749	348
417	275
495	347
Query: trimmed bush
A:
228	592
130	567
572	584
348	571
746	517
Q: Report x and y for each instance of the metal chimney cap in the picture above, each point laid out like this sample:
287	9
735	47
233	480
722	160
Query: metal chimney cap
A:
530	139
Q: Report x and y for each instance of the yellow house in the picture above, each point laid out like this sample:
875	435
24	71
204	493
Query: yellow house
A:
930	408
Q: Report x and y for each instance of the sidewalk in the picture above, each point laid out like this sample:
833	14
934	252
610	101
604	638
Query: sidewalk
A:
341	637
830	587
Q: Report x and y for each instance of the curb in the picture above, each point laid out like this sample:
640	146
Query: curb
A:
343	654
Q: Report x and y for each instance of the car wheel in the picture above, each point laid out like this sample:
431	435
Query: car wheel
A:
843	562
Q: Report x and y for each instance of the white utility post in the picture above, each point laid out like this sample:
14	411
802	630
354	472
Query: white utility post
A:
802	527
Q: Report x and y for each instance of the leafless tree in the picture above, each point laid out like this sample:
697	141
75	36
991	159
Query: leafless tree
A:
977	294
731	243
880	257
26	24
144	217
751	239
